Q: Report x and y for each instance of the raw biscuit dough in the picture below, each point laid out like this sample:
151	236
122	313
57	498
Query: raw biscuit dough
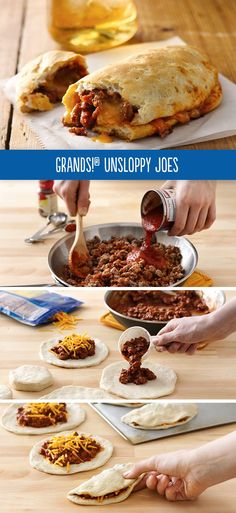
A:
31	378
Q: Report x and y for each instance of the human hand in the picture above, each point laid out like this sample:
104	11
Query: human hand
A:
184	475
171	475
195	206
183	335
75	193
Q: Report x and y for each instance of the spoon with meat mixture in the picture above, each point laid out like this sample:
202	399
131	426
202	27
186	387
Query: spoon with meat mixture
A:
79	259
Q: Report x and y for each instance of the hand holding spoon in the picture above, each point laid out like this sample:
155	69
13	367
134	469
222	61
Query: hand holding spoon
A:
79	258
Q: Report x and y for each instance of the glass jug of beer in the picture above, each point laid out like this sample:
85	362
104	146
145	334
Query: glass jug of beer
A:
91	25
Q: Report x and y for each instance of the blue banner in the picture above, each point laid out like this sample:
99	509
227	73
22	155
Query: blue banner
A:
118	165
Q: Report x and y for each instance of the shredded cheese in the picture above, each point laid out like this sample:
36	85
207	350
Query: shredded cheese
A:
34	410
65	321
59	447
73	342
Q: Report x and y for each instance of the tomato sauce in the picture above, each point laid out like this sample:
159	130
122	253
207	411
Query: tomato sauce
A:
70	227
151	255
148	252
153	220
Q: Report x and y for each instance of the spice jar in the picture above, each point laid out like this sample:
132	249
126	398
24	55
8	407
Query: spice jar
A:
91	25
47	198
158	210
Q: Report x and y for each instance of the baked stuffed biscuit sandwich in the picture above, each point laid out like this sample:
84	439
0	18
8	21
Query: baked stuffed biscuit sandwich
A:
144	95
43	82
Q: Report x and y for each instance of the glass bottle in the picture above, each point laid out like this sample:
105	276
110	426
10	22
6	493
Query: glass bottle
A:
47	198
91	25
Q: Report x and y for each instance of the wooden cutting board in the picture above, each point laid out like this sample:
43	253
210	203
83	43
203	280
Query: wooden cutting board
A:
26	490
208	374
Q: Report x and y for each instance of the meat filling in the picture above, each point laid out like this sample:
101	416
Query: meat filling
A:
74	449
136	374
41	415
102	498
159	306
133	351
74	347
109	108
135	348
102	107
110	266
180	421
57	85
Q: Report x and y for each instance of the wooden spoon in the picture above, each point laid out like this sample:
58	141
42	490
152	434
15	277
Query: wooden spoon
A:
79	259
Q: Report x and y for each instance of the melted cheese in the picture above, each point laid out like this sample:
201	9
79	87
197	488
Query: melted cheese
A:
111	118
110	114
103	138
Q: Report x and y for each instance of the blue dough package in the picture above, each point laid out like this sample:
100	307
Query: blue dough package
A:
36	310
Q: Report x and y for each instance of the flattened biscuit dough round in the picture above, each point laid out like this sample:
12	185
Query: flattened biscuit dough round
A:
101	352
70	392
5	392
75	416
77	392
163	385
32	378
40	463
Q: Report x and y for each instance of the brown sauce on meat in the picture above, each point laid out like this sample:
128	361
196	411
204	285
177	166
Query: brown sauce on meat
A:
133	351
158	305
135	348
109	265
102	106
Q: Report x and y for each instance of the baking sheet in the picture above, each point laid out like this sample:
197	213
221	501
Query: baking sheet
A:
47	126
209	415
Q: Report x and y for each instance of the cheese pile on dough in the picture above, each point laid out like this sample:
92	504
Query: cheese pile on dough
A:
71	342
59	446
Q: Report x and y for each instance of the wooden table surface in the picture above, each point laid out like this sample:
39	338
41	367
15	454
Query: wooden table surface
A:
25	489
209	374
209	25
24	264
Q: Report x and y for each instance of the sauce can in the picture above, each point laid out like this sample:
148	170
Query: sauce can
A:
158	209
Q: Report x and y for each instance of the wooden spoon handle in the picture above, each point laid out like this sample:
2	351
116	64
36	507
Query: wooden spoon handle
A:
79	229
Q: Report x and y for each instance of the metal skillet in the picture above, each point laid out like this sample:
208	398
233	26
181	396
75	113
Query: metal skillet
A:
58	255
214	299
